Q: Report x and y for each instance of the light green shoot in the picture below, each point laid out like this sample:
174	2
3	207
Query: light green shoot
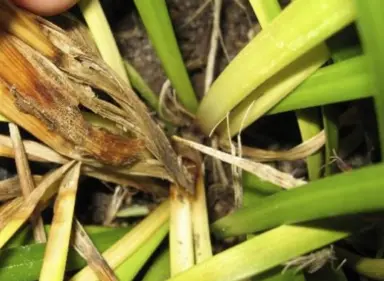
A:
300	27
102	34
155	17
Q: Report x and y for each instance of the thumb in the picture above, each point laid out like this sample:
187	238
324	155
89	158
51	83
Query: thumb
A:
46	7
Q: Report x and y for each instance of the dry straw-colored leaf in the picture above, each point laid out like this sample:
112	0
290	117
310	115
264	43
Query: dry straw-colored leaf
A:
182	256
27	183
300	151
264	172
34	150
56	251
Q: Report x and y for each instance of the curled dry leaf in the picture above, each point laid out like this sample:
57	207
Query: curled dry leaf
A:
300	151
47	73
27	183
262	171
85	247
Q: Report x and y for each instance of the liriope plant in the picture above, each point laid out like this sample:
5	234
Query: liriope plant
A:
285	220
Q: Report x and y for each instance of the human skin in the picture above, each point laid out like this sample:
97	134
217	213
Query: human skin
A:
46	7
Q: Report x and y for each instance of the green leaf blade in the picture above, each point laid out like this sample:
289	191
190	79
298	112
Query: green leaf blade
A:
254	257
332	196
347	80
290	35
24	263
155	17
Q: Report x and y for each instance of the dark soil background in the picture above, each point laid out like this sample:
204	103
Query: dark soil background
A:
193	38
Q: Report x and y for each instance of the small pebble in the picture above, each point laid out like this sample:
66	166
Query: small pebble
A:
4	174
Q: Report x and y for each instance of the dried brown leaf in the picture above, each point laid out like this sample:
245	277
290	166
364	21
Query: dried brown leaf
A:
300	151
33	125
94	72
27	183
85	247
44	91
262	171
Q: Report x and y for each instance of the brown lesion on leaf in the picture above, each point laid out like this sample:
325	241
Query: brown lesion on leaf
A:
120	150
42	93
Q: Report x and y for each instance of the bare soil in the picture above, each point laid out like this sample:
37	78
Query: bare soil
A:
193	38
